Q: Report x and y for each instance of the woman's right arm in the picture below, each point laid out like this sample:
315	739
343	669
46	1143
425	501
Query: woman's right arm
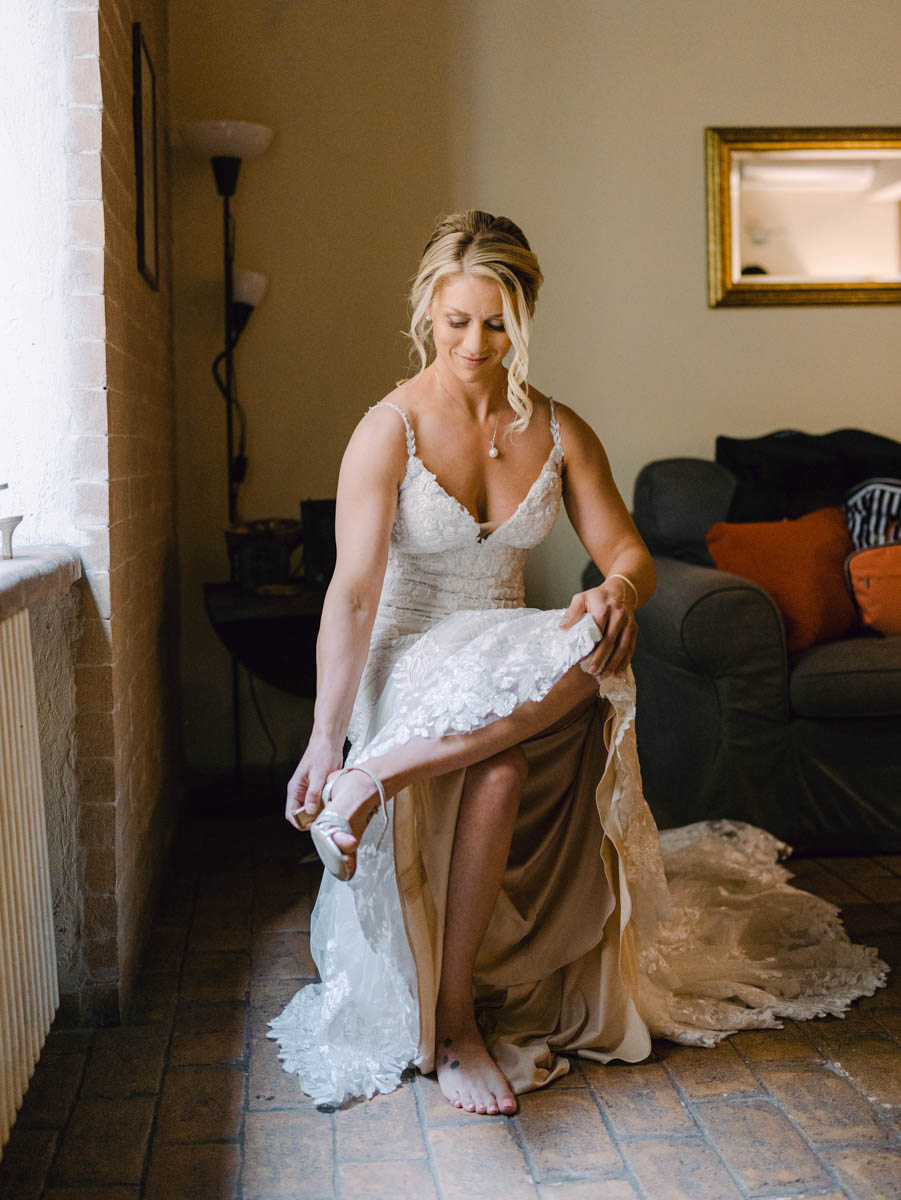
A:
371	471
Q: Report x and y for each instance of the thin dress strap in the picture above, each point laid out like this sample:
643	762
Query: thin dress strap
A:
411	437
555	426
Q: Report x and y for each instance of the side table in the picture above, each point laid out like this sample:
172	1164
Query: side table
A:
272	636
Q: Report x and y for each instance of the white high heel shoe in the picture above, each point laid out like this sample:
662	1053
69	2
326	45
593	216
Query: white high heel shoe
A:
327	824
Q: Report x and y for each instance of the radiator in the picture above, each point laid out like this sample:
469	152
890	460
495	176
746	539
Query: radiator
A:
29	990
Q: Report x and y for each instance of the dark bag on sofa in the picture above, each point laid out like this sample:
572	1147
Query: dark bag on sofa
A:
789	473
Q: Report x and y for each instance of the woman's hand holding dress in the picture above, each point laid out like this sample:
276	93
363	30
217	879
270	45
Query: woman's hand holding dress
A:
607	532
612	605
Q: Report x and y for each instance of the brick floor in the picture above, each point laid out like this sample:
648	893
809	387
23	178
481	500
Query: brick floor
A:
188	1099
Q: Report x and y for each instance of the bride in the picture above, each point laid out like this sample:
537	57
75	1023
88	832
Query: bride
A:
497	894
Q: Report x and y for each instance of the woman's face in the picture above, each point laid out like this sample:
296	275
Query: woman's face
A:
468	326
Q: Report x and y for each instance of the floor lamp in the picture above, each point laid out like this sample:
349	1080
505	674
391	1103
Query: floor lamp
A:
227	144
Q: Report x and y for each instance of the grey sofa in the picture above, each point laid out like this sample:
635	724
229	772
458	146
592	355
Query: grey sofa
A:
728	726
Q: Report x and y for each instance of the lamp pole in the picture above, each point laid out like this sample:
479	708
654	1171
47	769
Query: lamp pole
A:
229	243
225	169
227	143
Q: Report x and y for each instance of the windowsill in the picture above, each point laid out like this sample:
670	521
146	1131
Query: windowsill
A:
36	573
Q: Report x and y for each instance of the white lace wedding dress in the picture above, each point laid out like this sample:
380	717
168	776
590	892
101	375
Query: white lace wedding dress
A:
606	932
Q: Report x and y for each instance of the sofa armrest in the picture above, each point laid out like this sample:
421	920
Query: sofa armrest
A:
722	626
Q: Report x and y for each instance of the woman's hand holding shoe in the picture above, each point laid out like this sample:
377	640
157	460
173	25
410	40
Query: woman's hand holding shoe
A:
305	786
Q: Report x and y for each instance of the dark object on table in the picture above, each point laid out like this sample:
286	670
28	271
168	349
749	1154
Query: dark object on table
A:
318	519
728	725
260	551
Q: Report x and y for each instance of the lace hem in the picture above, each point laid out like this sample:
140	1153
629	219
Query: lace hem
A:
338	1060
475	667
743	947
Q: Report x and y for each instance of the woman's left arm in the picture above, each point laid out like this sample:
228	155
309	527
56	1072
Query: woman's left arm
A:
607	532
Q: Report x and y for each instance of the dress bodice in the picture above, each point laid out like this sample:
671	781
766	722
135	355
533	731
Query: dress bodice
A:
441	560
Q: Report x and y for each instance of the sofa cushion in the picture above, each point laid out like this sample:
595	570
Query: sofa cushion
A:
800	563
854	677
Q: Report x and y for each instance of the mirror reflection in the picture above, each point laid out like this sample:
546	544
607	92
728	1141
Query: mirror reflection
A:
831	216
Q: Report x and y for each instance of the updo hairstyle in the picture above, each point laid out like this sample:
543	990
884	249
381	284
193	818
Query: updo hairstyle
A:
478	243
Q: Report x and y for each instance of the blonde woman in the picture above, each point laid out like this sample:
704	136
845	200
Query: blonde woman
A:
494	877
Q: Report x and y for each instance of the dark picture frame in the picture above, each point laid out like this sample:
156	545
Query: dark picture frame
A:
144	116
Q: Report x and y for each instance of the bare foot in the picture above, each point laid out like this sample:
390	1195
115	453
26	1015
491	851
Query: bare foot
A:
353	796
467	1074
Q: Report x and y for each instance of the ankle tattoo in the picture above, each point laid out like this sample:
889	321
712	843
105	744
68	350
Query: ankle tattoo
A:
448	1042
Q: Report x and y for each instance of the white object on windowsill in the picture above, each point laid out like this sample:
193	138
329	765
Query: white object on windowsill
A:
7	525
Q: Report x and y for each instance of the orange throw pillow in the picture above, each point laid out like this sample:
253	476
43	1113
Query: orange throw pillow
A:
801	564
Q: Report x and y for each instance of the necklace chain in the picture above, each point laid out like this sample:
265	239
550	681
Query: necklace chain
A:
493	451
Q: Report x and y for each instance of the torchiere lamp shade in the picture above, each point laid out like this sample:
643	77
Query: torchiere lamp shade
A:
226	139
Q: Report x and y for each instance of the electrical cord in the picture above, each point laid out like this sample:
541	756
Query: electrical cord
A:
263	725
239	464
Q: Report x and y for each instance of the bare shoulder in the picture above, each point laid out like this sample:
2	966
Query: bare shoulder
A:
580	442
378	445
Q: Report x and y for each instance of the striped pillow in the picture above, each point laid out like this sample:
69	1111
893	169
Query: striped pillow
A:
873	513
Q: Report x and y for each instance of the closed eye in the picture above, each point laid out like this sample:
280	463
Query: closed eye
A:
488	325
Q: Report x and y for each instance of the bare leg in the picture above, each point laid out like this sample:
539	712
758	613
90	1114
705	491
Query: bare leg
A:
495	774
354	795
467	1074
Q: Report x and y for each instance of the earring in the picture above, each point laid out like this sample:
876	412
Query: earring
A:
428	318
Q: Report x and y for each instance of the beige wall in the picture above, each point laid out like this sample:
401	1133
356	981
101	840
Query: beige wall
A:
584	122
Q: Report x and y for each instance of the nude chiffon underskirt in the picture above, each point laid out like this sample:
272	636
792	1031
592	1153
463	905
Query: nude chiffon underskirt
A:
556	970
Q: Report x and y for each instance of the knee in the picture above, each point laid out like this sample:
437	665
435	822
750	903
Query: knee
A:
583	685
502	776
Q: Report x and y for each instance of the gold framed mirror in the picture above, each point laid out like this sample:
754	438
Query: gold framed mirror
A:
803	216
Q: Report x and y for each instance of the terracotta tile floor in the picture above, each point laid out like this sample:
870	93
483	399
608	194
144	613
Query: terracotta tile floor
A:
188	1099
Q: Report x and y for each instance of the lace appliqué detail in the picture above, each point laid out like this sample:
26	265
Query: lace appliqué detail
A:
354	1033
743	947
475	667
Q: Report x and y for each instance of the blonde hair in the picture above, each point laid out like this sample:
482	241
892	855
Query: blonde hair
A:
478	243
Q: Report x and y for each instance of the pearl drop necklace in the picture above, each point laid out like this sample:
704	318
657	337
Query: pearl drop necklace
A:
493	451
